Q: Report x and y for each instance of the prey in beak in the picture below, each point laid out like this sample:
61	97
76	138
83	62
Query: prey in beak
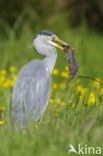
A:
56	42
70	56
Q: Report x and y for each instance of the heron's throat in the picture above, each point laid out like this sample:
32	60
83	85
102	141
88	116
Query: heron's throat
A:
50	61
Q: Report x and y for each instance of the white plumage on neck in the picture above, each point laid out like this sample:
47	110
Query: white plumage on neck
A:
50	61
47	50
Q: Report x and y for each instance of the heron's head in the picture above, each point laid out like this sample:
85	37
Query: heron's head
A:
45	43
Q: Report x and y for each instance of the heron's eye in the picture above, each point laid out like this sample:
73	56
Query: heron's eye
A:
54	38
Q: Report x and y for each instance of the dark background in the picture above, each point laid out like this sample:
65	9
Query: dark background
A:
78	11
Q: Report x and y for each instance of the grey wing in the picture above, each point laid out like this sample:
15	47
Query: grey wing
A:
37	96
30	94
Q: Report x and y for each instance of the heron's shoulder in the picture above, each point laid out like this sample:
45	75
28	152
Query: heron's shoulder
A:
34	61
34	68
33	73
34	64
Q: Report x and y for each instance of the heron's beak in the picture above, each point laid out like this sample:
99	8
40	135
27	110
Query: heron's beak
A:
56	42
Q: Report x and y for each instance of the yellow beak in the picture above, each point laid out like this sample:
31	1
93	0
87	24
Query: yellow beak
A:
56	42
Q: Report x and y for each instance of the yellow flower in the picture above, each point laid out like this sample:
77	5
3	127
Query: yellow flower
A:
14	77
73	105
3	72
101	91
62	85
70	101
98	79
58	101
81	97
36	126
91	99
55	86
2	78
12	69
1	122
63	104
2	108
96	84
7	83
12	83
79	88
66	68
64	74
51	100
83	91
55	72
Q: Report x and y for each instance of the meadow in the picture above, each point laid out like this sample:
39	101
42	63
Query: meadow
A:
75	110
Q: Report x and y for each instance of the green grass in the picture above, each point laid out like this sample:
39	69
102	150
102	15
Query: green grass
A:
74	124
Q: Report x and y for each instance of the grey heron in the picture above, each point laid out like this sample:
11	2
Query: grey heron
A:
31	90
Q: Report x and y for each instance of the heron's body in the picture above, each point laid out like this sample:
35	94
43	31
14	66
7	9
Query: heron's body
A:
31	91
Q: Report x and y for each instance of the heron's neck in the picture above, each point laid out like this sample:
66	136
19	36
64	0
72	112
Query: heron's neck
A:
50	61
